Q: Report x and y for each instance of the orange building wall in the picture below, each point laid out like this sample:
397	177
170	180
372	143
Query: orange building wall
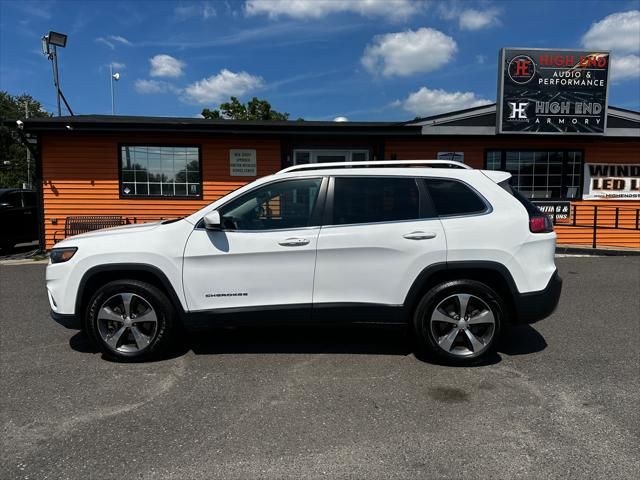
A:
80	176
596	150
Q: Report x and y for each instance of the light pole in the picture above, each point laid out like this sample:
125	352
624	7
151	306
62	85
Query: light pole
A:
114	78
28	183
49	48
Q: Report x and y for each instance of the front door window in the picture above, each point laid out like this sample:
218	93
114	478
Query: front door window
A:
279	205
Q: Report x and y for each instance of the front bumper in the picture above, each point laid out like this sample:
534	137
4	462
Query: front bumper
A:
68	321
534	306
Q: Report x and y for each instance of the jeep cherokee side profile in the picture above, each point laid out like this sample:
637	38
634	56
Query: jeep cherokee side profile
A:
449	250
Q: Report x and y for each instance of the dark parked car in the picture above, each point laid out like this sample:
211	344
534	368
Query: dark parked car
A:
18	217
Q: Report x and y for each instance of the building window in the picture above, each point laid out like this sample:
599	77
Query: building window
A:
160	171
540	175
453	156
301	157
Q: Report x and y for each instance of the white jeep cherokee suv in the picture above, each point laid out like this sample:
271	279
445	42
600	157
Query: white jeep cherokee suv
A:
449	250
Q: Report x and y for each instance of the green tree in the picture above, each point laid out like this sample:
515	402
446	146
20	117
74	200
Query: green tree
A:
255	109
13	154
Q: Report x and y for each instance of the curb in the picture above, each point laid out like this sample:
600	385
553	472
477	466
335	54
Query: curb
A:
598	251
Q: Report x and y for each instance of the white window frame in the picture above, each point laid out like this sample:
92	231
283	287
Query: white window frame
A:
315	153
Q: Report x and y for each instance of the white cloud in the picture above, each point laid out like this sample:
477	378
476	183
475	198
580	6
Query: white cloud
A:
106	42
625	67
299	9
153	86
111	41
405	53
619	32
118	65
481	59
166	66
471	19
119	39
220	87
426	102
204	10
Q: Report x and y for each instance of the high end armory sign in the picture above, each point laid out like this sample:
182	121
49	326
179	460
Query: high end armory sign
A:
552	91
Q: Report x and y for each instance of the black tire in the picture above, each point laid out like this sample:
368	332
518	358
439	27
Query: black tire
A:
463	351
160	337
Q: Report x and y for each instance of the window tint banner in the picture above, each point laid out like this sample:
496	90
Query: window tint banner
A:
609	181
552	91
560	212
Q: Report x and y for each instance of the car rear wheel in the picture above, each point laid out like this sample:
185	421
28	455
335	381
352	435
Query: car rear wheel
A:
130	320
459	322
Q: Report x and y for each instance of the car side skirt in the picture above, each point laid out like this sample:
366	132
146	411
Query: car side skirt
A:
299	314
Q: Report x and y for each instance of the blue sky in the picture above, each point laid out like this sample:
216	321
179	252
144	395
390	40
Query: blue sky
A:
316	59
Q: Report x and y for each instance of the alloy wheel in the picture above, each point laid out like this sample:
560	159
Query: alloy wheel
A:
127	322
463	325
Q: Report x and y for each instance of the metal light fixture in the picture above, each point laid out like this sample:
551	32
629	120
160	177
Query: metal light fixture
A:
57	39
114	78
50	43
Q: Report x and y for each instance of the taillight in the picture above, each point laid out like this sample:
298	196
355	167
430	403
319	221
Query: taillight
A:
540	224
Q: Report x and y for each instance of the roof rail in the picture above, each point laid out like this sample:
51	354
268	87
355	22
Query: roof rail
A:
375	163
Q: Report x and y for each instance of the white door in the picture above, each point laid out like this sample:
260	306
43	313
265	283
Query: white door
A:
264	256
302	157
377	243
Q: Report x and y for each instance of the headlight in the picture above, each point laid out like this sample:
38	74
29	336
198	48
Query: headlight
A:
60	255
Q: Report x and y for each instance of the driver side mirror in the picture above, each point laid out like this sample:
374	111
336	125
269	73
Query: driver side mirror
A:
212	221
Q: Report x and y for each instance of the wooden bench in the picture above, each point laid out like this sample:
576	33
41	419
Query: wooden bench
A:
83	224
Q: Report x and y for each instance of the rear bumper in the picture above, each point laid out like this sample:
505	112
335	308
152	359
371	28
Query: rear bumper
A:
534	306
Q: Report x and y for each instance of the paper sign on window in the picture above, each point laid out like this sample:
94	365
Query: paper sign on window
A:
242	163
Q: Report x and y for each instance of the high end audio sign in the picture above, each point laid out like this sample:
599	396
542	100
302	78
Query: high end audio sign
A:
552	91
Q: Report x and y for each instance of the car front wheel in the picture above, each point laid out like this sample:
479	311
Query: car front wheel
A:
459	322
130	320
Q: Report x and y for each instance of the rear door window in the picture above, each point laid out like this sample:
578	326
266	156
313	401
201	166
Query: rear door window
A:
454	198
375	199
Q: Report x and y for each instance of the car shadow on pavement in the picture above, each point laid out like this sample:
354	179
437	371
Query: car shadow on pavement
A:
522	340
80	343
354	340
302	339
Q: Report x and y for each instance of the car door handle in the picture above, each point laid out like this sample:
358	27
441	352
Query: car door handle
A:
419	235
294	242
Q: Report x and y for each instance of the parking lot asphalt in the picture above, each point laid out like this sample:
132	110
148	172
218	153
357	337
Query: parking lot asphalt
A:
559	401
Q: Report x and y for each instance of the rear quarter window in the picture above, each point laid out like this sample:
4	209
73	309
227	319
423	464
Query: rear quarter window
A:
532	209
452	198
